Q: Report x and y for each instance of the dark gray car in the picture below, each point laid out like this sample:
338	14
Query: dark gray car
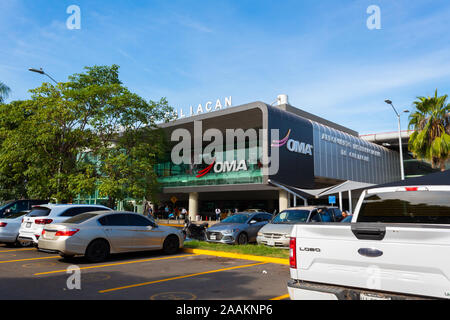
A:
240	228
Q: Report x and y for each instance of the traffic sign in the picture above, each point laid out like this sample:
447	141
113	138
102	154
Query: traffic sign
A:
332	199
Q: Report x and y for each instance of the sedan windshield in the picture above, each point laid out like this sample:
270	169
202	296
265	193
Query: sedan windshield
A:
291	216
237	218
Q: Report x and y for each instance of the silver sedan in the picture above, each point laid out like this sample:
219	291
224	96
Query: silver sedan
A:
95	235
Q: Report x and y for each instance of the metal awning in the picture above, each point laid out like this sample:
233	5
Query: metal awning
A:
317	193
347	186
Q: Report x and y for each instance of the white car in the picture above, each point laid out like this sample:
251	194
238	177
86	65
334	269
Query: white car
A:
40	216
95	235
9	227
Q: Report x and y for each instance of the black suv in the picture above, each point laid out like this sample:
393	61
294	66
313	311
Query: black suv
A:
14	206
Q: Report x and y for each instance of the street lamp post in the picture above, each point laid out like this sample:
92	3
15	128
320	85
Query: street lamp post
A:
399	139
42	72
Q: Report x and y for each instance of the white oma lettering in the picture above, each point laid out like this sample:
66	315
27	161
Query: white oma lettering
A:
230	166
299	147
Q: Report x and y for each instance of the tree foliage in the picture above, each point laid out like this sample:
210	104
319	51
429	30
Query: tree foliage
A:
90	132
431	123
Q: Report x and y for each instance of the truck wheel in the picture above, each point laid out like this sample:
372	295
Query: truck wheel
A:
242	239
171	244
97	251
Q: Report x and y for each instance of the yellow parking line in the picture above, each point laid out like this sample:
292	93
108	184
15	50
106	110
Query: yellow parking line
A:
234	255
116	264
30	259
180	277
286	296
13	250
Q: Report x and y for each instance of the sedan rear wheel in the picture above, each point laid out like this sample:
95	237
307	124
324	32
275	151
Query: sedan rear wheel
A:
171	244
97	251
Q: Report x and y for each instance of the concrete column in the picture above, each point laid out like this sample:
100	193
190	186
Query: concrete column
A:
283	200
340	201
350	204
193	205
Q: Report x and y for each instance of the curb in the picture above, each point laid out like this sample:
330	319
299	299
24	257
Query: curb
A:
233	255
172	225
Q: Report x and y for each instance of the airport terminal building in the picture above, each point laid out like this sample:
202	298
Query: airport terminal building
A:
310	153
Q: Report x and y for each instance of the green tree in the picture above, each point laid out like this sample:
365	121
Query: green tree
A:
4	92
431	124
13	161
70	130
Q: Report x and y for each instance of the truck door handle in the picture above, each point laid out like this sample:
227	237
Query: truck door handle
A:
365	232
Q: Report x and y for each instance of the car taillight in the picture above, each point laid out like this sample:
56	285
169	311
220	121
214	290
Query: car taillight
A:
3	224
43	221
66	233
412	189
293	253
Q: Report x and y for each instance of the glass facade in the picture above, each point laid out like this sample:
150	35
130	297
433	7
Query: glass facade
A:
171	175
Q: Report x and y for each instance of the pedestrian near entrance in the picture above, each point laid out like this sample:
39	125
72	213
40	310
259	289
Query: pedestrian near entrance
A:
218	212
183	213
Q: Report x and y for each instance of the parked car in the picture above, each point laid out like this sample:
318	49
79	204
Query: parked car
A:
240	228
9	227
396	248
15	206
95	235
40	216
278	231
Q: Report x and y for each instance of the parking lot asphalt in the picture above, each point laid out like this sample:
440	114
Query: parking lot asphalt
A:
26	273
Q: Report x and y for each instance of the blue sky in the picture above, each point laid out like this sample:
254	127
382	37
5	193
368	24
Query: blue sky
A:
319	52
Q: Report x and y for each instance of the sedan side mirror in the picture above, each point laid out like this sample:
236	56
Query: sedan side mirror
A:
253	221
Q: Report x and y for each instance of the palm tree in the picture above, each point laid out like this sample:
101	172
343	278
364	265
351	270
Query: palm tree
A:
4	92
431	123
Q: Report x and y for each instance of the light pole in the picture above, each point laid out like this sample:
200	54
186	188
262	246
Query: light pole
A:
399	139
42	72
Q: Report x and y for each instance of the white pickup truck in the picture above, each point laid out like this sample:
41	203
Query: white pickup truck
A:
397	247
